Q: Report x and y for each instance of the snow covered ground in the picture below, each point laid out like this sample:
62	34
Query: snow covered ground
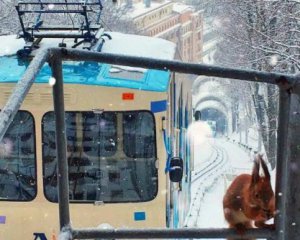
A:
207	206
208	191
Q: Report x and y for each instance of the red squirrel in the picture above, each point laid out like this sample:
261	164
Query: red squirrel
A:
249	201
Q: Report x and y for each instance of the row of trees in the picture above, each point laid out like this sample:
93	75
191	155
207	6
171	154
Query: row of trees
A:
261	35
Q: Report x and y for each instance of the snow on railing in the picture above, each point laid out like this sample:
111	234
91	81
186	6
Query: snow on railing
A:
250	149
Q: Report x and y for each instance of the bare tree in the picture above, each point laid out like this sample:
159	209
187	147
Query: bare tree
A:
115	18
8	17
261	35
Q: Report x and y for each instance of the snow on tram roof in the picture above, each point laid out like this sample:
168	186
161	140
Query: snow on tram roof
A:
140	46
11	69
10	45
125	44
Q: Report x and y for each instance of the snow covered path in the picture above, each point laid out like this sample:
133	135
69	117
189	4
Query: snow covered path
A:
211	214
208	192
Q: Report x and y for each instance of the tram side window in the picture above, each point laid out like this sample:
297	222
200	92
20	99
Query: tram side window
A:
18	161
140	150
102	165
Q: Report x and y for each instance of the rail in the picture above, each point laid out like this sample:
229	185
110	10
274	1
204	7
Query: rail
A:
209	167
288	152
206	178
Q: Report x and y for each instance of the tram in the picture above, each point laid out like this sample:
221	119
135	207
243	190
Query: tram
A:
129	159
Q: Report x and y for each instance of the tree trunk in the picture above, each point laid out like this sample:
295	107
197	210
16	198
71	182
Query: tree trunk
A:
259	106
272	115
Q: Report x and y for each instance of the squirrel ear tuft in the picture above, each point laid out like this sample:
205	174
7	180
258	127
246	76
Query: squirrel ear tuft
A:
264	167
255	172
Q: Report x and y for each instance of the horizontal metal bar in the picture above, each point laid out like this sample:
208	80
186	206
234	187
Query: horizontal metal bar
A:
282	80
56	35
64	27
20	91
55	11
91	233
58	3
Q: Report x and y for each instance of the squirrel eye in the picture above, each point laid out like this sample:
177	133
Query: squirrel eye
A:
256	195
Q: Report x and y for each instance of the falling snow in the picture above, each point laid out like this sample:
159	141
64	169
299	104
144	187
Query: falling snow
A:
52	81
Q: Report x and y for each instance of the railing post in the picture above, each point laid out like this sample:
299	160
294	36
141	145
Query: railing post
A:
20	91
61	142
282	168
291	228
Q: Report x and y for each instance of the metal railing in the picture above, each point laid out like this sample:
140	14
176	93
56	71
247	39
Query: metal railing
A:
288	152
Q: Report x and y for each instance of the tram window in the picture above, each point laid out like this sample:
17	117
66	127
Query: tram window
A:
100	134
139	135
102	165
127	73
17	160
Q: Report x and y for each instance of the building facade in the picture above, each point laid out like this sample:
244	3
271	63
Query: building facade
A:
172	21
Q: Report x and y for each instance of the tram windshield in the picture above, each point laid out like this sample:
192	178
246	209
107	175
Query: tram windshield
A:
17	160
111	156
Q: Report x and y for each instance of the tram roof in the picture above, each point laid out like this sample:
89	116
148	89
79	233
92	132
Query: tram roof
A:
11	68
127	44
139	46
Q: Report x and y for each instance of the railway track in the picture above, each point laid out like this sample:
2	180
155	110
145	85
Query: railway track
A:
204	178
